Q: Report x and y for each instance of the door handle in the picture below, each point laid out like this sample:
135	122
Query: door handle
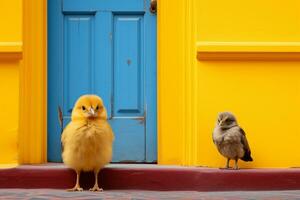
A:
153	6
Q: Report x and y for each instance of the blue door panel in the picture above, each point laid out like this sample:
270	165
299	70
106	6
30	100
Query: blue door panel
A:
103	5
106	48
78	66
125	130
103	59
129	66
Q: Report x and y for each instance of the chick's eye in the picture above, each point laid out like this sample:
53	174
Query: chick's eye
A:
83	108
97	107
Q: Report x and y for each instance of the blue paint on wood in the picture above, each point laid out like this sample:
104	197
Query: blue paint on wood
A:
55	63
103	5
128	66
78	59
94	49
129	144
150	60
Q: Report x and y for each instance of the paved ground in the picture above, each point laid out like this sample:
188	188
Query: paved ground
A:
41	194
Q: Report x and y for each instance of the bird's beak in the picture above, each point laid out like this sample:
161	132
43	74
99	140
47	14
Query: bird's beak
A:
92	112
221	122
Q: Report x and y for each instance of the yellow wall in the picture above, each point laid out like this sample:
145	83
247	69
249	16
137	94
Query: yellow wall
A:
248	54
11	21
10	55
33	82
9	115
248	63
23	82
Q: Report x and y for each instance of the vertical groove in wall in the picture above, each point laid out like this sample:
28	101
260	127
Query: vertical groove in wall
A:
171	83
190	104
186	105
195	82
185	92
177	84
180	75
32	134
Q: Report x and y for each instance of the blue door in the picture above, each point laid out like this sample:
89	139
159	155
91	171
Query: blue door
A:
108	48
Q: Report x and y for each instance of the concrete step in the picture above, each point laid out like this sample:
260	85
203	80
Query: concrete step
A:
153	177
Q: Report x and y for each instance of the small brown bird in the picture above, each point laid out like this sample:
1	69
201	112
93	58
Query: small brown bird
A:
87	140
230	139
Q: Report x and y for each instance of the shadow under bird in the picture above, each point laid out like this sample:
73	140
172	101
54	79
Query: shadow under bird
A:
230	139
87	140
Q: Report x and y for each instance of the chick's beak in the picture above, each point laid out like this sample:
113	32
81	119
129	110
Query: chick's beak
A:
92	112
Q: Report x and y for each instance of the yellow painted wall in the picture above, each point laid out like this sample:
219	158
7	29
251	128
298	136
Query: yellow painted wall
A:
11	21
10	54
9	115
23	82
33	83
248	63
248	53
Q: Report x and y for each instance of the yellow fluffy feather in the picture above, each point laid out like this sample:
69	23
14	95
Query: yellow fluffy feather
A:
87	140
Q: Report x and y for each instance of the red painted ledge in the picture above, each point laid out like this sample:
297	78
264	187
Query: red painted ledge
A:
153	177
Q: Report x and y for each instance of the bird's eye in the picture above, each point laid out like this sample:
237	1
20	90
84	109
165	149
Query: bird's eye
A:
83	108
97	107
228	120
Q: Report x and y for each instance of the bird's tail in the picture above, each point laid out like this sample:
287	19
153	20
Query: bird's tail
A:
247	156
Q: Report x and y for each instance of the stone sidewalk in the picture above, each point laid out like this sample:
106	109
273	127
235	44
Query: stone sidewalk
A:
41	194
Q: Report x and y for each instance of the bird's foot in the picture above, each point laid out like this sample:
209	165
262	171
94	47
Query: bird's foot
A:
236	168
74	189
96	189
225	168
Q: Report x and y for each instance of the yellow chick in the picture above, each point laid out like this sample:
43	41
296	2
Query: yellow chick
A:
87	140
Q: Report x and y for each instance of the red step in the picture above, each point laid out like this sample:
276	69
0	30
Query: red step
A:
153	177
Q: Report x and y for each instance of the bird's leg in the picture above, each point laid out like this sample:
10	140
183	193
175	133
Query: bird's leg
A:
227	163
96	187
236	164
77	186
